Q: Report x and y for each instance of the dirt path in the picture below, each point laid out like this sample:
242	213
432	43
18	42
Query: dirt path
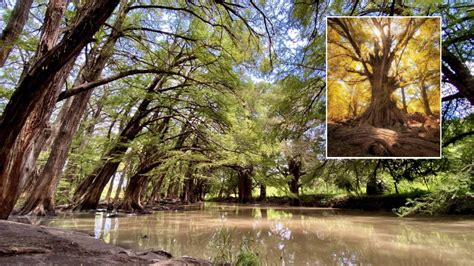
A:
28	244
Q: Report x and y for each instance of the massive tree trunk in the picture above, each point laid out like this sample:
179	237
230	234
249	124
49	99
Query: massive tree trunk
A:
383	110
14	27
69	125
245	184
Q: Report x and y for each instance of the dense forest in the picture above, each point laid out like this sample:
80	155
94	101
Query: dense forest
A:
127	103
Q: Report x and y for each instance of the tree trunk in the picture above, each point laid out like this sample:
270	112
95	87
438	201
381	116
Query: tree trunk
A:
383	111
132	197
294	166
424	98
458	74
89	191
139	181
188	186
31	171
42	140
404	101
34	99
263	192
372	188
75	110
245	184
14	27
87	195
109	190
49	37
120	184
155	194
28	146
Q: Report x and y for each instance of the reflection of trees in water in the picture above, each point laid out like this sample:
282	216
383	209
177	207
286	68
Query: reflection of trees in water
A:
296	237
432	238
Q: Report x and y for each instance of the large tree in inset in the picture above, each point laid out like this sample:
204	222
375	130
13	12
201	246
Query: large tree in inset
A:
373	48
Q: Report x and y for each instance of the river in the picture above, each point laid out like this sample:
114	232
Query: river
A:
288	235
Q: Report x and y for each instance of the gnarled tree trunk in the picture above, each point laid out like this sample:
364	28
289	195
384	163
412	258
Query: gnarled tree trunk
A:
383	110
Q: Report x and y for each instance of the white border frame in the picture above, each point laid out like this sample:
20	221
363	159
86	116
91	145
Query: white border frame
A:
440	92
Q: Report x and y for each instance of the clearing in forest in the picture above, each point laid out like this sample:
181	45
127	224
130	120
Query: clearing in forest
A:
383	87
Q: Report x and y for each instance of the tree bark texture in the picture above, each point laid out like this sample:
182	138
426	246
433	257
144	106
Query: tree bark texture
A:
69	124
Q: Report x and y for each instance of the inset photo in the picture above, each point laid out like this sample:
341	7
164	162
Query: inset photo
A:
383	87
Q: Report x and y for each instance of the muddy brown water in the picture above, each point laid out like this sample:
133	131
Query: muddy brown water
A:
289	235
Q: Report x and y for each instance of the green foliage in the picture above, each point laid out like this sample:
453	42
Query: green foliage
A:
454	187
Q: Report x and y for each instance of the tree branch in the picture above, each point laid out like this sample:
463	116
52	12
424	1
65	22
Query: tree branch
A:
457	138
90	85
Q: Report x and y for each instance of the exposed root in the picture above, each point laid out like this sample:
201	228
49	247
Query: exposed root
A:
346	140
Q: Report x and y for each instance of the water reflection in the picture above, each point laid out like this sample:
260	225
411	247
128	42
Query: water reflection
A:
301	236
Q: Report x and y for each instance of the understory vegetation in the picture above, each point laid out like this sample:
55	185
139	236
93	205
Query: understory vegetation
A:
128	104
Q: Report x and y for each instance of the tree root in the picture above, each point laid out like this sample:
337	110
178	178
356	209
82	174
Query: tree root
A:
364	140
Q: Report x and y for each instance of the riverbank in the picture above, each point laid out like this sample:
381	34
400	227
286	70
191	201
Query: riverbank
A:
389	202
29	244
